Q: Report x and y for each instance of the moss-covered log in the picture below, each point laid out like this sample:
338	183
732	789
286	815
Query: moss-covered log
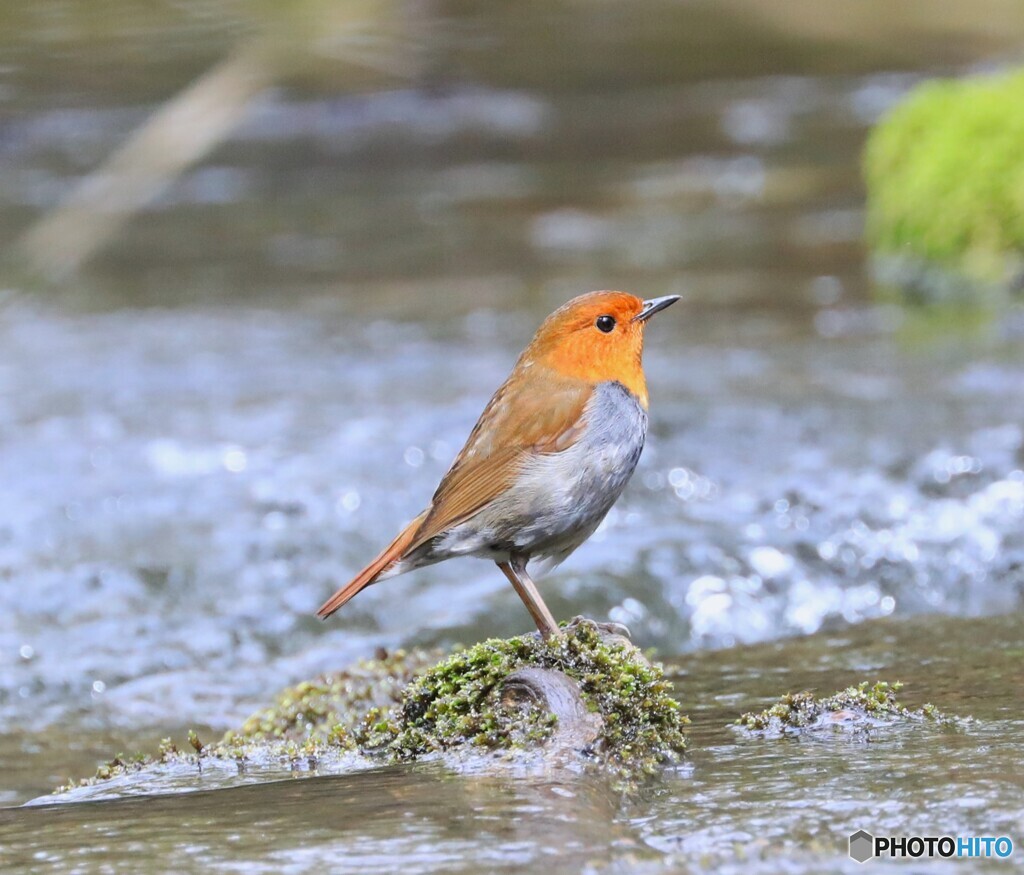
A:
580	693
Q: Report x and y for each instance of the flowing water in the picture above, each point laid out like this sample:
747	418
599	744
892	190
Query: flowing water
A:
264	373
737	804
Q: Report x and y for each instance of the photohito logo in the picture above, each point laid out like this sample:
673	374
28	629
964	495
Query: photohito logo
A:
864	846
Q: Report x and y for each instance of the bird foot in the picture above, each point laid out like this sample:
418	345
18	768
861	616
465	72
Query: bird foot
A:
608	631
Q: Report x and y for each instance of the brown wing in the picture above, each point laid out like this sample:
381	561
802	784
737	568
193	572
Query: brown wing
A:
522	420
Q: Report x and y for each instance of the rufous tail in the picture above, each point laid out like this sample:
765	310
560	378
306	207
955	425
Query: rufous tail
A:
387	558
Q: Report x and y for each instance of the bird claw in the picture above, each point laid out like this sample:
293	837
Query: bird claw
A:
611	629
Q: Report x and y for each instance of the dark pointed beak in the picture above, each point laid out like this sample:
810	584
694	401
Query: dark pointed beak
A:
654	306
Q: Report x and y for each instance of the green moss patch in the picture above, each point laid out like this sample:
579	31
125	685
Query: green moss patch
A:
332	708
403	706
945	180
854	708
307	723
455	703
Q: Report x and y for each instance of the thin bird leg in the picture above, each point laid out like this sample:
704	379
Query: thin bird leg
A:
515	571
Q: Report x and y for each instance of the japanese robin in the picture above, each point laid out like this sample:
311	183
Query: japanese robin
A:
547	459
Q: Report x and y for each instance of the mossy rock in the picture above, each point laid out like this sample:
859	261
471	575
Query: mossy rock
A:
578	694
332	708
945	190
854	709
460	701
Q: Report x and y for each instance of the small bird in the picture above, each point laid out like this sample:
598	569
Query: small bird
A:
550	454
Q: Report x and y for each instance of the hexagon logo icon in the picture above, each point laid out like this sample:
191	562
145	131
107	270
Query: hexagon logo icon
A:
862	846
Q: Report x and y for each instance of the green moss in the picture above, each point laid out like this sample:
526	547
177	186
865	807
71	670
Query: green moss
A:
313	719
455	703
332	707
854	707
122	765
945	179
403	706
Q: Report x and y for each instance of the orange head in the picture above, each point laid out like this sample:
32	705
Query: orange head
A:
597	337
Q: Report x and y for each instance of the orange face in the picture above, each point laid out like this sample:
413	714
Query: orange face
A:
595	337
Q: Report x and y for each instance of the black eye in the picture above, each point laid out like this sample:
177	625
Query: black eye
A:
605	323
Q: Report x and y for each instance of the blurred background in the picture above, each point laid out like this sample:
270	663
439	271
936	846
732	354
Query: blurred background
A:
264	263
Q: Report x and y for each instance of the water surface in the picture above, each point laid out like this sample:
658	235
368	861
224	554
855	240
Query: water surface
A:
736	803
259	378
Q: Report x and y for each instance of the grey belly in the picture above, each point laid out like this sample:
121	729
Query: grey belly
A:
561	498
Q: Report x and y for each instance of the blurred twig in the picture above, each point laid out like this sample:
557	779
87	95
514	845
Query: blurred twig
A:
180	133
193	123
